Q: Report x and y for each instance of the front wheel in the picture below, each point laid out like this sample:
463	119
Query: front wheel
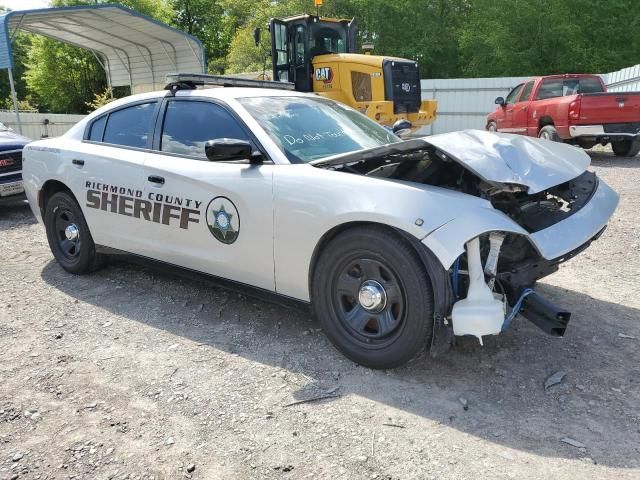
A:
69	236
626	148
492	127
373	297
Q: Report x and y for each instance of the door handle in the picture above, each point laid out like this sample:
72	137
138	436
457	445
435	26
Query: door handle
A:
77	162
156	179
524	109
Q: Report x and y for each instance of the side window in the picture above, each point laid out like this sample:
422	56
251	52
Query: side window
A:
361	86
299	45
130	126
97	129
282	55
189	125
550	89
513	94
526	92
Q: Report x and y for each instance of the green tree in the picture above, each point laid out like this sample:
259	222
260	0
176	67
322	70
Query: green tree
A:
207	20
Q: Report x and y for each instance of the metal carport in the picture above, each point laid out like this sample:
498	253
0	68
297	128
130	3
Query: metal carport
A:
133	49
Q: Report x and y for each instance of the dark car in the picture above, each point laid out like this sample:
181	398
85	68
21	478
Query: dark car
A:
11	145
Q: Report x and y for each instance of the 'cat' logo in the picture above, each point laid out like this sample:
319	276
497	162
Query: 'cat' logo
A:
324	74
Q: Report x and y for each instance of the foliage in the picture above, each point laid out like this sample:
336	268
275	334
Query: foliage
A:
449	38
21	46
62	78
24	104
208	21
100	99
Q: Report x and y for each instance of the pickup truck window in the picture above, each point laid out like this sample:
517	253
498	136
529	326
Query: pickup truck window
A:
526	92
513	94
561	87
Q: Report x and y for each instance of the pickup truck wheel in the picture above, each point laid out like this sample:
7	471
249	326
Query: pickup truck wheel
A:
69	236
626	148
549	133
492	127
373	297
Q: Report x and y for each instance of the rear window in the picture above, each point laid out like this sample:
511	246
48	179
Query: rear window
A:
562	87
97	129
130	126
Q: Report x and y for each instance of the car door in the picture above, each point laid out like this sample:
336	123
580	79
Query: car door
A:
110	180
213	217
504	121
521	112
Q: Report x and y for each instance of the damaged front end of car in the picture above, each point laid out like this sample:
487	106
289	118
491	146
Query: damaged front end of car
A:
543	207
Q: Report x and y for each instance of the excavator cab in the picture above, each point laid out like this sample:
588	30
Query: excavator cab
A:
295	41
318	54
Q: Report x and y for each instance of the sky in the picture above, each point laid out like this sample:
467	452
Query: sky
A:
24	4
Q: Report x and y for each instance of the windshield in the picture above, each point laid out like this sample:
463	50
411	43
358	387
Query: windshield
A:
310	128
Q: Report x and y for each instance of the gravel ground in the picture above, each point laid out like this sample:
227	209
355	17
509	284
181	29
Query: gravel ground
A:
133	373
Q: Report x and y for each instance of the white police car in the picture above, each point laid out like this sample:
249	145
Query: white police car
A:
395	244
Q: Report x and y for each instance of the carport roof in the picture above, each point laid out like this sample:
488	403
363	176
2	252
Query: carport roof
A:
134	49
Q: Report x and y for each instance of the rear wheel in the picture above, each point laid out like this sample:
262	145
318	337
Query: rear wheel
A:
373	297
69	236
626	148
492	127
549	132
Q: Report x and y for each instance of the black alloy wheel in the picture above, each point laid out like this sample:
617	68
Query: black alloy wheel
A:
373	297
69	236
369	300
67	233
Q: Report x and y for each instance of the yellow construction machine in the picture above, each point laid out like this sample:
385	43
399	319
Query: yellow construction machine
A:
317	54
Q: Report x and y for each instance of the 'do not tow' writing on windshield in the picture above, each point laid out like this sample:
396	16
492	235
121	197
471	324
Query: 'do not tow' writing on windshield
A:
313	137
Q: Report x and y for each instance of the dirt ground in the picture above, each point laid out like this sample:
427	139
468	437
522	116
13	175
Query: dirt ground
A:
132	373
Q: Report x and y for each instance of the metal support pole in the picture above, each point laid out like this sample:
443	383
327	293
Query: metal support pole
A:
15	100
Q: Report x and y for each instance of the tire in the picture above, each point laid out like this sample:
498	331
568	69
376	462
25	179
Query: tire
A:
549	132
492	127
351	264
626	148
76	255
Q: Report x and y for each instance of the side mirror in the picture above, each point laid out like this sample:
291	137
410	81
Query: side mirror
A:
402	127
500	101
256	36
227	149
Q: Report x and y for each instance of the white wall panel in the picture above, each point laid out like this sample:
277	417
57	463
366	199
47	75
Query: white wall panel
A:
625	80
464	102
33	124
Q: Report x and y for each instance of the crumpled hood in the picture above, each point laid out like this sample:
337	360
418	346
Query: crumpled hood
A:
506	158
494	157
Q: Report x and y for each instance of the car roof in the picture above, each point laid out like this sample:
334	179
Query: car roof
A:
222	93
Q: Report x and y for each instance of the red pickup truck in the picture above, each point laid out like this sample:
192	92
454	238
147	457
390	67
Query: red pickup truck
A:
575	109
